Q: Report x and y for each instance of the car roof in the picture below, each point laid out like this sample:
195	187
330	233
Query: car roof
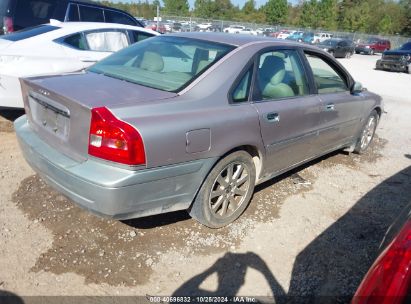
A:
90	25
233	39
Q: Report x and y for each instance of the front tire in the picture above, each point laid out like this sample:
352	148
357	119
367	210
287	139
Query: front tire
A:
367	133
226	192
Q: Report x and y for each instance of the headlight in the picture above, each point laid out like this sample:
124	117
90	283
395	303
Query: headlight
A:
10	59
367	46
406	58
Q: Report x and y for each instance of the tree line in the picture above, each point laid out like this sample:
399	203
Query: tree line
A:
368	16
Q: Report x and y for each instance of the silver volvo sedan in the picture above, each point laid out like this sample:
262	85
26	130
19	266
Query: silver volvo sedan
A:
190	121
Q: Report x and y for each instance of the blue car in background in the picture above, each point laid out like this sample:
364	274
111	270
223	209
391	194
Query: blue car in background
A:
308	37
296	36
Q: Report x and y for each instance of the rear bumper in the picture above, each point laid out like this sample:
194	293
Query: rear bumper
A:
10	92
111	191
396	66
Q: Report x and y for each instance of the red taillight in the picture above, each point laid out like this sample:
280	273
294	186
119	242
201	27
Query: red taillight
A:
114	140
8	26
389	278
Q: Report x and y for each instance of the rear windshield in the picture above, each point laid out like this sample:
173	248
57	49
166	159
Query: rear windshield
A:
164	63
29	32
26	13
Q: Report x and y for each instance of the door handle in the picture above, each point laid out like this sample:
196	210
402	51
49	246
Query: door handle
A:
330	107
88	59
273	117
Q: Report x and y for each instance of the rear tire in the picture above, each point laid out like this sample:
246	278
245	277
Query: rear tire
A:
226	192
367	133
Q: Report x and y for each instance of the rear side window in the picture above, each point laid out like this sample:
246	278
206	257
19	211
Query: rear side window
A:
73	14
106	41
327	78
240	94
91	14
31	12
116	17
30	32
76	41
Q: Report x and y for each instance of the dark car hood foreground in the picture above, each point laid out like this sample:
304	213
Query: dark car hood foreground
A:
398	52
94	90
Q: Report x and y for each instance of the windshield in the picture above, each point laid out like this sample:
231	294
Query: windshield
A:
29	32
406	46
164	63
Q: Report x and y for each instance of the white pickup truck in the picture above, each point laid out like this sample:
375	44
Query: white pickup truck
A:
234	29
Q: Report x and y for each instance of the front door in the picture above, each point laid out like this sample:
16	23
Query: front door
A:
340	110
289	116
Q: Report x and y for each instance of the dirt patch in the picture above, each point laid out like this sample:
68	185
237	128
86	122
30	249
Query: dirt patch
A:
352	160
123	253
7	117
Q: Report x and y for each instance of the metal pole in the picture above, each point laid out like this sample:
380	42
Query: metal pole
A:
158	18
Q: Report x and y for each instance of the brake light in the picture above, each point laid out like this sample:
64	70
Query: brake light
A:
8	26
114	140
389	278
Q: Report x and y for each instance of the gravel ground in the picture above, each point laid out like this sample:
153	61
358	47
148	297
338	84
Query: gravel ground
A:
311	232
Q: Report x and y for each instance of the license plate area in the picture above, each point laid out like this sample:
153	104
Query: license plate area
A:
50	116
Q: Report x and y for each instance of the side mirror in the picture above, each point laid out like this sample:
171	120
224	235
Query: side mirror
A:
357	88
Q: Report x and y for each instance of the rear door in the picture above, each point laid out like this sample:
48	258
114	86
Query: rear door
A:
340	110
289	115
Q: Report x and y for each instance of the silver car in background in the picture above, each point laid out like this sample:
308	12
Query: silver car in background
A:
190	121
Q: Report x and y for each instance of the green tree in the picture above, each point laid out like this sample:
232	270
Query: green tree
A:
205	8
249	7
328	11
176	7
276	11
406	9
308	16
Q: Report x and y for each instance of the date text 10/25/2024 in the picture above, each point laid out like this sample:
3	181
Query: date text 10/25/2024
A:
201	299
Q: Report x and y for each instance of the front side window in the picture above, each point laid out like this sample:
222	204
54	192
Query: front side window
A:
106	41
280	75
91	14
326	77
139	36
164	63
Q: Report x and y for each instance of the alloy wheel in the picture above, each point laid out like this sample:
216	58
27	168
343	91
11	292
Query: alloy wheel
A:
229	190
368	132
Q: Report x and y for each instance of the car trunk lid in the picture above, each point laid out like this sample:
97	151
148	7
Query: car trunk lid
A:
58	108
